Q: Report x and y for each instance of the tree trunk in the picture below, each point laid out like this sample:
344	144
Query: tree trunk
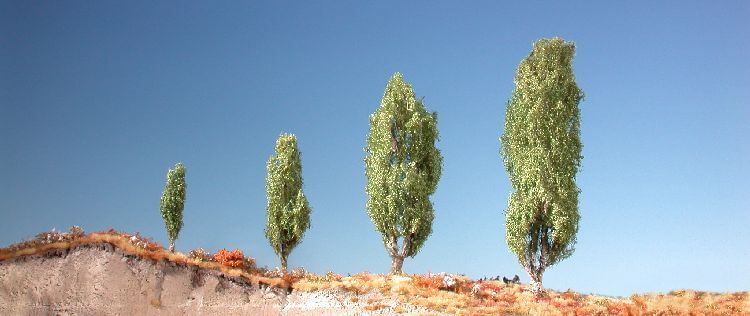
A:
396	263
283	263
536	283
171	246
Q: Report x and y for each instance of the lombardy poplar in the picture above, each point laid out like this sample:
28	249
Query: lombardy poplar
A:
403	167
288	209
541	150
173	202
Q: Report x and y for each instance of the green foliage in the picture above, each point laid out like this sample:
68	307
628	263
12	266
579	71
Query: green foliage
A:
403	167
541	150
288	209
173	202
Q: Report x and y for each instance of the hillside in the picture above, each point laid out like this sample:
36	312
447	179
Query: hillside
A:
116	273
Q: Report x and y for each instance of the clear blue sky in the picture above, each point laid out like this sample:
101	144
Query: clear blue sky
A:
99	99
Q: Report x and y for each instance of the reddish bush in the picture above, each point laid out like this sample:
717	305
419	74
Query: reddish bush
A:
445	282
485	290
570	295
432	281
618	308
463	287
234	259
507	298
639	301
363	277
291	278
492	287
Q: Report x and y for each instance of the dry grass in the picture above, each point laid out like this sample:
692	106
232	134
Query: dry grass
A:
439	292
375	306
469	297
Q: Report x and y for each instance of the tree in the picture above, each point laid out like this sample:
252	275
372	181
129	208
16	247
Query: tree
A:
173	202
541	151
288	209
403	167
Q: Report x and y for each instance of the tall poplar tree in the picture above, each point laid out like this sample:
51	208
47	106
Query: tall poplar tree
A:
541	150
402	167
288	209
173	202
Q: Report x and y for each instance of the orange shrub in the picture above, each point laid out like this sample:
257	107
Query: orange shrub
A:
234	259
461	286
639	301
290	278
570	295
434	282
618	308
489	290
494	287
507	298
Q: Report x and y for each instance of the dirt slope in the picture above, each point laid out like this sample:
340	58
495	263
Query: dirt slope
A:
101	279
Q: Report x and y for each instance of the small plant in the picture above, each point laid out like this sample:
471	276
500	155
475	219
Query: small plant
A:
331	277
110	231
76	232
325	278
50	237
233	259
430	281
299	272
272	273
142	242
249	264
200	255
54	236
482	289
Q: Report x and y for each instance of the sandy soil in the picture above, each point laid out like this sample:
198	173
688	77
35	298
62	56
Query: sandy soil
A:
99	279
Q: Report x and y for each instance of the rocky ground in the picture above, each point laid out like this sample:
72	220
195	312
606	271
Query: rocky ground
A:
101	279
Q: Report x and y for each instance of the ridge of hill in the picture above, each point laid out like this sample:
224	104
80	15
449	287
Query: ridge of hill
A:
117	273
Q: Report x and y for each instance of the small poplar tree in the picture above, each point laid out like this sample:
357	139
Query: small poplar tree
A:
288	209
173	202
403	167
541	149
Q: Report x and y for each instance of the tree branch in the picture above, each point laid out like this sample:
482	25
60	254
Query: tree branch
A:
392	246
544	238
406	247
